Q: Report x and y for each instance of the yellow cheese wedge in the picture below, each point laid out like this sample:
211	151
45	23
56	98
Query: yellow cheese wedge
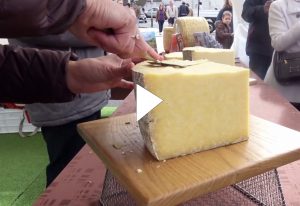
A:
223	56
174	55
204	106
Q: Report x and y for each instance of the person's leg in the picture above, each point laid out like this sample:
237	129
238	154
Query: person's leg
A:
172	21
63	143
259	64
160	26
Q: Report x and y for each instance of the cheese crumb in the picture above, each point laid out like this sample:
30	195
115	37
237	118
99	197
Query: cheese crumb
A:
139	170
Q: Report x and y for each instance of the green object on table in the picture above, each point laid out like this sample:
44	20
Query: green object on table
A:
107	111
22	169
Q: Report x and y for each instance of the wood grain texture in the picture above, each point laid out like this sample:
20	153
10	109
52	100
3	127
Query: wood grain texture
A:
118	142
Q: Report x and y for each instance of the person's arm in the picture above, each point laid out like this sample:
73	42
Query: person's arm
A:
252	11
45	76
167	12
31	75
281	36
47	17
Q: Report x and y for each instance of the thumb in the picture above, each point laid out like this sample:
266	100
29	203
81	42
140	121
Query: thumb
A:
124	70
117	67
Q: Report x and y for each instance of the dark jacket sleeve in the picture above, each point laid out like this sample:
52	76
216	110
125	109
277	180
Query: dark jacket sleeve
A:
31	75
37	17
221	32
253	10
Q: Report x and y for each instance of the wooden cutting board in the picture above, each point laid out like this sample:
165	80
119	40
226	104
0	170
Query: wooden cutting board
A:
118	142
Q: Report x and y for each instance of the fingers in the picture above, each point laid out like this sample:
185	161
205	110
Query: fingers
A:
115	67
124	45
124	70
120	44
125	84
98	74
151	52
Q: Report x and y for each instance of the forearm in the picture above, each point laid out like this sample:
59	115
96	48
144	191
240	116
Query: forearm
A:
48	16
31	75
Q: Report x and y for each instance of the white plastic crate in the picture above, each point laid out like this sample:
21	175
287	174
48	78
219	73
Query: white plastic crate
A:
10	120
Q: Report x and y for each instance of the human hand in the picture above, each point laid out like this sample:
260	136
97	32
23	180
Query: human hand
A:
98	74
141	48
111	29
267	6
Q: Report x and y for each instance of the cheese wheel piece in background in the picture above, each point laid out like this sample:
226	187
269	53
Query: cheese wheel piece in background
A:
167	38
187	26
222	56
204	106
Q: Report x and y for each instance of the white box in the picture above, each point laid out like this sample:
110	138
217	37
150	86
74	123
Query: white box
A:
10	120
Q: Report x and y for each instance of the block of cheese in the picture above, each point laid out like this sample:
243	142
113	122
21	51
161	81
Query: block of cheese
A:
204	106
174	55
223	56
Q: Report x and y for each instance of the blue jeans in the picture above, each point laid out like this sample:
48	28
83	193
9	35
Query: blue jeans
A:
160	25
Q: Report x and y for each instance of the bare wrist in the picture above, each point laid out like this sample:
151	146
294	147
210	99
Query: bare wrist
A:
70	67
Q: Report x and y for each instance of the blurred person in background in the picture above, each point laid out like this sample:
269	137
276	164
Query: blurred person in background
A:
161	16
172	13
183	10
284	26
224	33
258	46
191	13
226	7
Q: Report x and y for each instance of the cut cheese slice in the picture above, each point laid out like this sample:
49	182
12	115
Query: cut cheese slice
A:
174	55
204	106
223	56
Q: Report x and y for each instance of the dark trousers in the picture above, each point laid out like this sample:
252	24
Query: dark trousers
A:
259	64
171	20
160	25
63	143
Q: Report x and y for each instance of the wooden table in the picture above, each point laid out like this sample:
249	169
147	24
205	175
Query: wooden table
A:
81	181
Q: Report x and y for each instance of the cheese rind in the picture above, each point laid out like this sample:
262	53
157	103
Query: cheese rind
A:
223	56
204	106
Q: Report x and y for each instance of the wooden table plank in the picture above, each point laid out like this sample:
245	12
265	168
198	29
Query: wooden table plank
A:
118	142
